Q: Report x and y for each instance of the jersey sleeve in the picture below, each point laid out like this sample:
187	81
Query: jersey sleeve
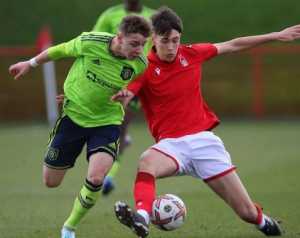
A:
136	85
205	51
72	48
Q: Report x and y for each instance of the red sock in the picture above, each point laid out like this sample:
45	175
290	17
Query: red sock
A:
144	191
259	214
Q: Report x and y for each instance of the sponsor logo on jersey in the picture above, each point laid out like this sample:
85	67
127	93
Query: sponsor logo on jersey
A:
126	73
94	78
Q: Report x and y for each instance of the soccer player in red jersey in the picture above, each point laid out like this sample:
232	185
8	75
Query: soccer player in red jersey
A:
182	123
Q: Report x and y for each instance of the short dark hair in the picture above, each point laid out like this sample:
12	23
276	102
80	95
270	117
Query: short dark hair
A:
135	24
165	20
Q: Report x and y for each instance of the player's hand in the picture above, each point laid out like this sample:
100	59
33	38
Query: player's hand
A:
19	69
289	34
60	99
123	96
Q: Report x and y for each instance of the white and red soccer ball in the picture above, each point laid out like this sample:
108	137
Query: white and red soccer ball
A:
168	212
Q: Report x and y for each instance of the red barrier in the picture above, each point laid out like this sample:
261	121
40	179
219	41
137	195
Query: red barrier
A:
18	51
44	40
257	55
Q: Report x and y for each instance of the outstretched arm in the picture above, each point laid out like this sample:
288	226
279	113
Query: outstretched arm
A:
124	96
72	48
242	43
23	67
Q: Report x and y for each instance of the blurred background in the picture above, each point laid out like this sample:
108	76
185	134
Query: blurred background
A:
253	84
256	93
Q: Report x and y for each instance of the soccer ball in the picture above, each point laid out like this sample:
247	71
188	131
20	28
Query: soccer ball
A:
168	212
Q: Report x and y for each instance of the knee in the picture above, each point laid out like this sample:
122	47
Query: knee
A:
52	178
248	213
51	183
145	162
95	179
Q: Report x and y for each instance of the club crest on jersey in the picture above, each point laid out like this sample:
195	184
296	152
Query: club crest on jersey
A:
157	71
126	73
183	61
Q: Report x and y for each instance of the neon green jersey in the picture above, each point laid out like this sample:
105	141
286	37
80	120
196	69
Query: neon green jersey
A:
94	77
110	20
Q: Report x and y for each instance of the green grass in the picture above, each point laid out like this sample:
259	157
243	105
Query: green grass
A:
266	154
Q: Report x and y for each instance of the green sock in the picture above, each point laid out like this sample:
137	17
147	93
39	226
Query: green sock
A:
85	200
114	169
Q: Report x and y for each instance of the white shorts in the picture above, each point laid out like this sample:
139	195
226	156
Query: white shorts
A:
201	155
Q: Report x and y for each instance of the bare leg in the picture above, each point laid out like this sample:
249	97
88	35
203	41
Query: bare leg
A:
157	164
99	165
232	191
53	177
108	184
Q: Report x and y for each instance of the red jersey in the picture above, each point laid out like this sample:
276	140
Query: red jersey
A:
170	93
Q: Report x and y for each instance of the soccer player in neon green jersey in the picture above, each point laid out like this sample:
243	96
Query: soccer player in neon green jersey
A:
104	64
109	21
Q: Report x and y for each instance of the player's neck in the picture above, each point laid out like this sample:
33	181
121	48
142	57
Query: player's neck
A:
115	48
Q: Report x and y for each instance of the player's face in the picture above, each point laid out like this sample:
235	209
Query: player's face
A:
132	45
167	45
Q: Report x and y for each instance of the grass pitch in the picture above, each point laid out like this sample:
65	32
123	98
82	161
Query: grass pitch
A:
266	154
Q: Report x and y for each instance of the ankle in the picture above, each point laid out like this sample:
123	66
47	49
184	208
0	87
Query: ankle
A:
263	222
144	214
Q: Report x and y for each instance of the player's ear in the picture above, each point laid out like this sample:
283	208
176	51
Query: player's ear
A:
120	37
154	38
